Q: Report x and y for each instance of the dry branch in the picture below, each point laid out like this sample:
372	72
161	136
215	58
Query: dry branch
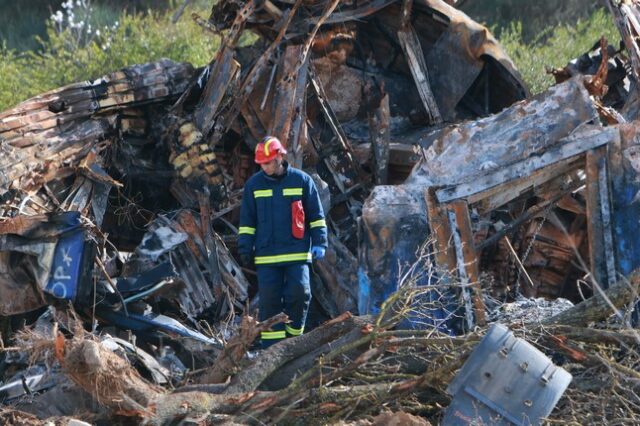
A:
277	355
602	305
229	359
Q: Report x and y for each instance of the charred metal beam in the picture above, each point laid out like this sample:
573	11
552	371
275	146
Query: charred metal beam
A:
379	132
288	102
576	144
599	215
417	64
627	19
222	71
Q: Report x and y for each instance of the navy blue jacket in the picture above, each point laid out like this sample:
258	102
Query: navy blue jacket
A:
265	218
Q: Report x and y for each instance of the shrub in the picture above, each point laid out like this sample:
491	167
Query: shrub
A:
74	52
555	47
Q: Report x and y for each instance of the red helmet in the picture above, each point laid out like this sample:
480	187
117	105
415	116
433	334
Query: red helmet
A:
268	149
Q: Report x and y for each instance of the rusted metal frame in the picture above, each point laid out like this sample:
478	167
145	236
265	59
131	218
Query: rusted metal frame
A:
339	160
222	72
497	196
211	250
599	215
288	103
312	35
249	83
254	124
360	12
417	64
291	91
467	273
342	164
470	259
267	89
561	151
298	136
380	138
526	216
440	230
627	19
450	225
235	31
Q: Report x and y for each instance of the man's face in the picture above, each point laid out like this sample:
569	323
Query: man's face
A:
273	166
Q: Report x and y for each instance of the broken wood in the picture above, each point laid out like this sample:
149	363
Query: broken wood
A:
111	379
229	361
277	355
603	304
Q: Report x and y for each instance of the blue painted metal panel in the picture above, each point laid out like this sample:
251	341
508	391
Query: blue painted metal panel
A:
626	218
394	227
66	268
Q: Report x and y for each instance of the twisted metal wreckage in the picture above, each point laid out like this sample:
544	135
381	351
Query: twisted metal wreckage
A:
119	198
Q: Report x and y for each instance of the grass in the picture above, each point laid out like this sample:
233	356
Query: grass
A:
555	46
63	57
59	58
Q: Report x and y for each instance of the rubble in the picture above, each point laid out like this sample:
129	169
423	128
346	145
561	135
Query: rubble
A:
450	193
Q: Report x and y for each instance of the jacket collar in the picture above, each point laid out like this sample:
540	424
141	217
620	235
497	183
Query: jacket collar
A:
280	177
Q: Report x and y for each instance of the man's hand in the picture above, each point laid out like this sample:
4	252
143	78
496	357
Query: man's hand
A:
246	260
317	252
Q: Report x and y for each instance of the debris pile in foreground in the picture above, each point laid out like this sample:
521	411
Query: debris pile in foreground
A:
455	201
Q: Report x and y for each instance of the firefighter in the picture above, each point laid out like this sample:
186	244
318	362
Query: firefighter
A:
282	228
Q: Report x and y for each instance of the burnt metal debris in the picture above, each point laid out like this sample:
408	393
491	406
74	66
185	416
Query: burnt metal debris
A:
450	193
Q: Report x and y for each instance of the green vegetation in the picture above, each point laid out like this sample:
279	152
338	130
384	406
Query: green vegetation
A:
72	51
99	40
555	47
21	21
536	16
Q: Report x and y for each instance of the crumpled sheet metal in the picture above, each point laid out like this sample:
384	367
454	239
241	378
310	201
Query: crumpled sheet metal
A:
133	85
456	58
27	252
60	126
457	50
23	167
456	153
180	240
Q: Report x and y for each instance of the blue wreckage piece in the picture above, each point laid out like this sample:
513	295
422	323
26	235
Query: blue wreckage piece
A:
401	228
72	262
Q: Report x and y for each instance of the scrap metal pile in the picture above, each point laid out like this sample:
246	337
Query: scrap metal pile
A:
450	193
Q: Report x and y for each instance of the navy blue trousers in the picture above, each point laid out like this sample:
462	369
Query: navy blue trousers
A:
283	288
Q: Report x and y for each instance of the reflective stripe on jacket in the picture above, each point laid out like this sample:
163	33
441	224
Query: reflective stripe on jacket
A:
265	218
